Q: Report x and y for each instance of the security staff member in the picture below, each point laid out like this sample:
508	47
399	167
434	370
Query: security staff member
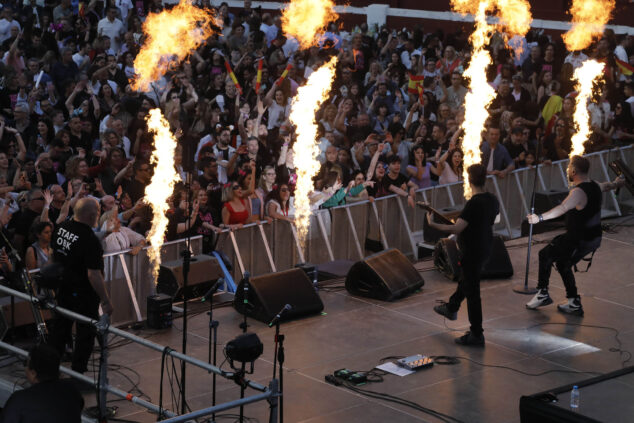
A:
474	228
77	248
582	208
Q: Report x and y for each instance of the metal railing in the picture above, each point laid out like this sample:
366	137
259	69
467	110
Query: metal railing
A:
340	233
269	393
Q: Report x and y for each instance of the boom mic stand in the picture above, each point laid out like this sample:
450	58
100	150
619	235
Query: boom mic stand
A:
213	334
186	262
27	285
278	355
524	289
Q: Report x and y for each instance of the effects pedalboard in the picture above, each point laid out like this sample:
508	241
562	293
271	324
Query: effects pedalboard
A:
415	362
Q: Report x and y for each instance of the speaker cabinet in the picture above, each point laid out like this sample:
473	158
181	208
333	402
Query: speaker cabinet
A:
204	270
545	201
385	276
268	294
446	258
498	266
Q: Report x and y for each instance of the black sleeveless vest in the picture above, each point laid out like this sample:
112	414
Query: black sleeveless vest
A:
585	224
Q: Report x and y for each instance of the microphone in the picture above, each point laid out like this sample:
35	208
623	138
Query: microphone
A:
279	315
212	290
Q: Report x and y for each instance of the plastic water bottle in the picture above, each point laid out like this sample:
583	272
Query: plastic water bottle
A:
574	398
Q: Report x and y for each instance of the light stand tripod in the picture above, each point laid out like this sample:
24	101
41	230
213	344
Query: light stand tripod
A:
524	289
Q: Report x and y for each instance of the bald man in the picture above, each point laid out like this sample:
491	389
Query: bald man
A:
83	290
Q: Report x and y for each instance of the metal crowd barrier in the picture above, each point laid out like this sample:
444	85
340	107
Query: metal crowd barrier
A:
269	393
129	278
340	233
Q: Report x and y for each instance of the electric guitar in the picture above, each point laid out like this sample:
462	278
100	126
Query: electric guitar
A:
441	217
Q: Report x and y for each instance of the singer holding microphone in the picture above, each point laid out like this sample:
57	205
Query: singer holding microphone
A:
78	249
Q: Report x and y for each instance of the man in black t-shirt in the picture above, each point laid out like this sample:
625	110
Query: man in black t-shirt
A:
78	249
394	182
48	399
475	237
142	177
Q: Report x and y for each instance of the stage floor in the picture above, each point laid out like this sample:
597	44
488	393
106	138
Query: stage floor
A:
356	333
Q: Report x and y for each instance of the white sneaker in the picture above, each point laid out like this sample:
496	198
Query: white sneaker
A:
572	306
539	300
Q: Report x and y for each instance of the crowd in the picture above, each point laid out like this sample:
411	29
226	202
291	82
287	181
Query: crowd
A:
71	125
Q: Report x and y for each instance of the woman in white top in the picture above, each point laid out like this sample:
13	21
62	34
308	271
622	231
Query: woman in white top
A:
279	204
450	166
40	252
279	108
120	237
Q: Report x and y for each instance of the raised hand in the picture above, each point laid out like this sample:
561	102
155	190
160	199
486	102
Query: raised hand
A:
48	197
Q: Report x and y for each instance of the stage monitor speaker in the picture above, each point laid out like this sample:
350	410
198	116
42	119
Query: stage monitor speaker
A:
269	293
545	201
204	270
498	266
386	276
432	235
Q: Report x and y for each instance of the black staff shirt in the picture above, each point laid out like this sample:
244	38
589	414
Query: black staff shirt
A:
77	247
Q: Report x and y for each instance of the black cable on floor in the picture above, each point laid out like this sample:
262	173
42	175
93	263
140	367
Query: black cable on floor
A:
391	398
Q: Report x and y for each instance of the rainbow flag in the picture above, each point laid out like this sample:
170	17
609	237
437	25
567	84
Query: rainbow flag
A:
415	81
625	68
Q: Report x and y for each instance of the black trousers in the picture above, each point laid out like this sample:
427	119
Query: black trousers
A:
560	251
469	289
61	330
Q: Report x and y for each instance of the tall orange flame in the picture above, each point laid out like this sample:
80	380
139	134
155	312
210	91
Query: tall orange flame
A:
170	36
162	184
305	19
305	150
585	77
515	16
588	19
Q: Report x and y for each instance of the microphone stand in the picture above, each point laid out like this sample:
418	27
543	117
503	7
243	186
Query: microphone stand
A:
27	285
186	262
244	327
524	289
278	356
213	333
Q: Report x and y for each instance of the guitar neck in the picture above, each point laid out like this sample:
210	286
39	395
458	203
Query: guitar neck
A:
441	217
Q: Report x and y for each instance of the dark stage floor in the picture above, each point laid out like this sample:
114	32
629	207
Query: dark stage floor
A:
356	333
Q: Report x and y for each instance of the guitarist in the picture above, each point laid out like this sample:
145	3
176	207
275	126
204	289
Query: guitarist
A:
475	237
